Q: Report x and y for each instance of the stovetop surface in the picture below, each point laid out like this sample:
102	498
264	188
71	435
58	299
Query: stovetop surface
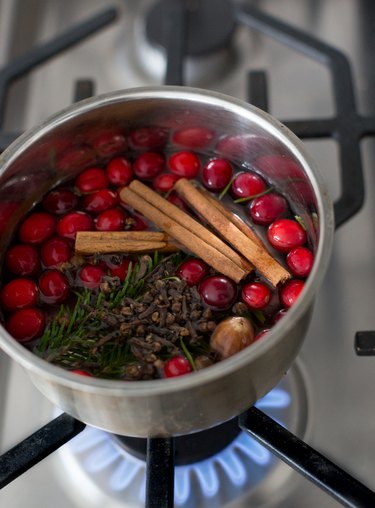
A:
341	406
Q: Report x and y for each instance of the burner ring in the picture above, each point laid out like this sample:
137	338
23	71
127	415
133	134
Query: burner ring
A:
100	471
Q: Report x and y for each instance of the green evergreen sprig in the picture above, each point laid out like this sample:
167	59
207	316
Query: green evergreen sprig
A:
78	337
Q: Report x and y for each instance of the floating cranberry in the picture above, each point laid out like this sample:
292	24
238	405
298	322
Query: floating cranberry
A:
75	158
55	251
185	164
300	261
218	292
177	366
19	294
53	287
267	208
286	234
26	324
216	174
91	276
70	224
261	334
60	201
164	182
119	171
150	138
37	227
135	223
177	201
247	184
148	165
22	260
192	271
193	137
91	180
109	142
80	372
110	220
290	292
99	201
256	295
120	270
279	315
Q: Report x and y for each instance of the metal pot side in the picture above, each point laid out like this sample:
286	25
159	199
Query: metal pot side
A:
65	144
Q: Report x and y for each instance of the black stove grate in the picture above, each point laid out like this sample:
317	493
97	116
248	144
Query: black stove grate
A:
347	127
40	54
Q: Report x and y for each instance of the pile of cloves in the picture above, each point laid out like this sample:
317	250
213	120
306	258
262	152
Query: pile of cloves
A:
153	325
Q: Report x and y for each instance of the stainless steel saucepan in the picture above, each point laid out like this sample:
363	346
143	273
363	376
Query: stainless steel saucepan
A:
88	133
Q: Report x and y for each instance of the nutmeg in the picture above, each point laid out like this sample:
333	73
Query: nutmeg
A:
231	336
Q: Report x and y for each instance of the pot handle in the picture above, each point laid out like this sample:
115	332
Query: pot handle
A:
305	460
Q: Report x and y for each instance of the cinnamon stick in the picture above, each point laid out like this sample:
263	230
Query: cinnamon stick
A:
98	242
189	223
242	226
260	257
194	243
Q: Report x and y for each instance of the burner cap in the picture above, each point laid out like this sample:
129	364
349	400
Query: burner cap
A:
209	24
190	448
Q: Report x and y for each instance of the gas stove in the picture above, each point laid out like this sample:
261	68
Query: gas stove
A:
326	398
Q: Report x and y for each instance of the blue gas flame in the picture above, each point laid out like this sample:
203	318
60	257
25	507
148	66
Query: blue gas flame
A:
99	453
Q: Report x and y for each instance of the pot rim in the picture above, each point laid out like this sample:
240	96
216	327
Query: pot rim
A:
277	333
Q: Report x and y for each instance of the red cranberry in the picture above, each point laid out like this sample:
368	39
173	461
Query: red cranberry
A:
185	164
164	182
177	201
18	294
286	234
261	334
80	372
70	224
247	184
91	180
26	324
110	220
279	315
22	260
60	201
216	174
193	137
192	271
91	276
109	142
53	287
256	295
218	292
150	138
135	223
300	261
120	270
267	208
177	366
75	158
290	292
55	251
37	227
119	171
99	201
148	165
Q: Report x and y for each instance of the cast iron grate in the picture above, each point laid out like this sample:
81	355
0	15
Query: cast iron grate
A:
40	54
347	127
